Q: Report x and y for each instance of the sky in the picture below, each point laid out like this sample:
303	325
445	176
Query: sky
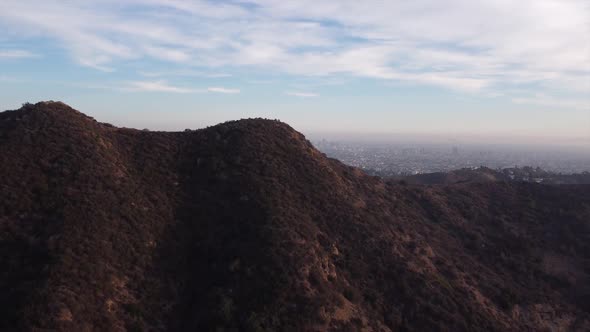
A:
499	68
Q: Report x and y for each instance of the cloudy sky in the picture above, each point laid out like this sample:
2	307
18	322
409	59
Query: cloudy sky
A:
498	67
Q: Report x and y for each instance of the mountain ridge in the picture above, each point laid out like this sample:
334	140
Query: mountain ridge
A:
246	225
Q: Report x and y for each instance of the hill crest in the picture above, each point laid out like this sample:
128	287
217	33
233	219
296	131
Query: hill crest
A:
245	225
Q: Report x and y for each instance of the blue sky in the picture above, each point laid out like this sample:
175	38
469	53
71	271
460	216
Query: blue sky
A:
494	67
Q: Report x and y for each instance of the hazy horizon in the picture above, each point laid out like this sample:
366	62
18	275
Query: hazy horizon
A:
486	71
521	140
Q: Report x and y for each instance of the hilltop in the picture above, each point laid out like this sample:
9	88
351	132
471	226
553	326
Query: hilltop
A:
245	225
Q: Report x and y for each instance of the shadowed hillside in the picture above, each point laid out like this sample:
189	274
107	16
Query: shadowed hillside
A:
246	225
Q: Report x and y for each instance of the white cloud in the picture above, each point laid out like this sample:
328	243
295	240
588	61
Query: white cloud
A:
301	94
184	73
552	102
16	54
167	54
475	46
5	78
160	86
223	90
156	86
217	75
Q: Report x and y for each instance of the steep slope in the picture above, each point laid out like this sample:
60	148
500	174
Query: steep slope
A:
246	225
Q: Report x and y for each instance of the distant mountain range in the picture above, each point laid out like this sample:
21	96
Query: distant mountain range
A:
485	174
246	226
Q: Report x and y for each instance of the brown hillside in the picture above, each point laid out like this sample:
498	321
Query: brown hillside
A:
246	226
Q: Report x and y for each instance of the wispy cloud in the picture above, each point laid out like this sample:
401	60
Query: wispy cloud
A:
5	78
477	46
164	86
556	103
223	90
168	54
156	86
16	54
301	94
184	73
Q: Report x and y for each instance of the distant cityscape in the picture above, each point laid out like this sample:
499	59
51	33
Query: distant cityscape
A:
390	159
